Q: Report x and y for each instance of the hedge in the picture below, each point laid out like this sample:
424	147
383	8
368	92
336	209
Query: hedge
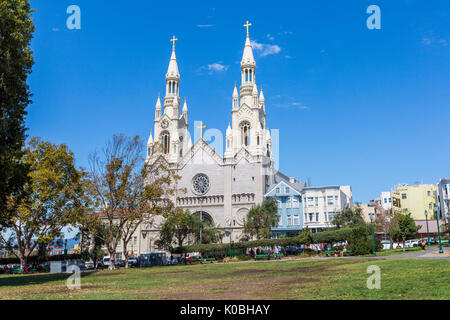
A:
37	259
338	235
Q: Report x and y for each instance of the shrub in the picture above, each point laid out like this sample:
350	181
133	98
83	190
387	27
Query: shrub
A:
363	247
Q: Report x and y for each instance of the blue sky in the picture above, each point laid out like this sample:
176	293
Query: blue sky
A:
369	108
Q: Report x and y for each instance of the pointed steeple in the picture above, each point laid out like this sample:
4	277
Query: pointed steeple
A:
261	96
158	108
247	57
172	71
150	139
229	132
185	109
235	92
190	143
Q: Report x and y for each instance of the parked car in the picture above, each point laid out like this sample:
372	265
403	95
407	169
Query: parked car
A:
120	263
293	250
411	243
398	245
106	260
386	244
132	261
432	240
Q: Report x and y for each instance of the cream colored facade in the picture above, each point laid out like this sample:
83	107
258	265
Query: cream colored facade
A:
414	199
320	204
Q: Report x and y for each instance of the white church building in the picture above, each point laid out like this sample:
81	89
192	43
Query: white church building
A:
221	188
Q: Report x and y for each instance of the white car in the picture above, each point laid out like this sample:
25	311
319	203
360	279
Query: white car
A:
106	261
411	243
386	244
396	245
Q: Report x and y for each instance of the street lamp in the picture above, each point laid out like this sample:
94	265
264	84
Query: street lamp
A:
65	249
230	230
373	236
439	232
201	218
426	217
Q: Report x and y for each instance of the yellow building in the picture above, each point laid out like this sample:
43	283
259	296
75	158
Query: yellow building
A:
414	199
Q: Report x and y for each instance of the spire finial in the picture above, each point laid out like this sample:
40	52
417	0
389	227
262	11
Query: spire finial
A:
246	26
173	42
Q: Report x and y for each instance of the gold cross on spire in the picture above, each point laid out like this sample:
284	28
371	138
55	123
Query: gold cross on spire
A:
201	129
173	41
247	25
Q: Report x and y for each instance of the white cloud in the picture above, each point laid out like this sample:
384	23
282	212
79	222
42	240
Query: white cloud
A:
55	29
270	37
215	67
218	67
287	32
206	25
288	102
427	41
265	49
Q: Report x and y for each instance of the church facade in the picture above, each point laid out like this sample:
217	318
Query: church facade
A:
221	188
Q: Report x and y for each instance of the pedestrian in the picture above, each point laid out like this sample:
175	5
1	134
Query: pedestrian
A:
277	252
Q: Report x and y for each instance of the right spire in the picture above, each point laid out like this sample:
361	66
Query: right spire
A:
247	57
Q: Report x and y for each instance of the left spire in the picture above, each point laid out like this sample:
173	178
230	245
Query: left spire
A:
173	72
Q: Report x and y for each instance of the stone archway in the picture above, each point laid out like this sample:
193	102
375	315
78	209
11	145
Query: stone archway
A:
206	217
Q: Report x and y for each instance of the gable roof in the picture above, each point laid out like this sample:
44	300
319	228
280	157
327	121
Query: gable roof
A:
297	187
200	144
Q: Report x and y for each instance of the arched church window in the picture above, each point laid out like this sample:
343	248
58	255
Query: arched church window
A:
165	142
245	133
257	139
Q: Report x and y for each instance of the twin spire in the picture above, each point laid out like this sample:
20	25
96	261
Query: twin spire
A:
173	72
247	57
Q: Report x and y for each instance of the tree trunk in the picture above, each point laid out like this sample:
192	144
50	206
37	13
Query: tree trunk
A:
112	259
23	260
125	253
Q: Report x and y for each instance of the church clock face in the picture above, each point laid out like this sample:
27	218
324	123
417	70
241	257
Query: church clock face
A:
200	183
164	124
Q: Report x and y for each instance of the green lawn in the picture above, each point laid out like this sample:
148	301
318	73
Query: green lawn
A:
295	279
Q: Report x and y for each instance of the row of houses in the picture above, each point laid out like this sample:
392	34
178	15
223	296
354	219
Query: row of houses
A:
418	199
301	206
423	201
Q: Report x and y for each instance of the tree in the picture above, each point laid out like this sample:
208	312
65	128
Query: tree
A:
125	190
349	218
16	61
382	222
209	233
176	228
261	218
51	199
403	227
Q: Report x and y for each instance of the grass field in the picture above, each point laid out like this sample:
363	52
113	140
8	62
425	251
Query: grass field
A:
295	279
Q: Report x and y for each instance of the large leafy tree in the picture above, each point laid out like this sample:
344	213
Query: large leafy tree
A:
126	191
349	217
403	227
52	198
16	61
176	229
261	218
